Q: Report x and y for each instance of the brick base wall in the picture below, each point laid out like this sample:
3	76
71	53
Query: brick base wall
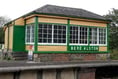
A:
69	57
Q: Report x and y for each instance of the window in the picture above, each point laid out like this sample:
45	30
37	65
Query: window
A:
30	33
102	35
74	34
59	34
51	34
45	33
83	35
78	35
98	36
93	35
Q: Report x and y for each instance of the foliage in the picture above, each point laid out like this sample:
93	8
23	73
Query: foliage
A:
3	20
1	35
113	29
113	38
114	54
113	35
113	16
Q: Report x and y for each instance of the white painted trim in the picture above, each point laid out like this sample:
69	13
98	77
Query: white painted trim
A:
52	33
97	35
66	37
51	43
79	44
29	43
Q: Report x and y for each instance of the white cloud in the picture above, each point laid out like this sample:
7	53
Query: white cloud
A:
17	8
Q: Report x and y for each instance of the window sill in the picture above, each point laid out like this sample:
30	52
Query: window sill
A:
53	44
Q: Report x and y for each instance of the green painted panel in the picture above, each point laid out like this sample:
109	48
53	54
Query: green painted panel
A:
84	48
36	34
68	35
19	38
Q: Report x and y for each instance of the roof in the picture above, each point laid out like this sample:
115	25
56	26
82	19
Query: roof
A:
23	65
67	11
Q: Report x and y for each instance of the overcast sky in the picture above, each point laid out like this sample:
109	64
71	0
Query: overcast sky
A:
16	8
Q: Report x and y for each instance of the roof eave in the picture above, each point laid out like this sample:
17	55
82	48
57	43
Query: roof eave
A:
72	16
34	12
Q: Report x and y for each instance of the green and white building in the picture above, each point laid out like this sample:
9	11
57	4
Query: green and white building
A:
59	34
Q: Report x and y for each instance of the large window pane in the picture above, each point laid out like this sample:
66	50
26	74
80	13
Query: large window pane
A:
102	35
59	34
93	35
49	33
83	35
74	34
30	33
27	34
45	33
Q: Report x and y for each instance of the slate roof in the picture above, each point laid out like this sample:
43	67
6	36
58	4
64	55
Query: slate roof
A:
67	11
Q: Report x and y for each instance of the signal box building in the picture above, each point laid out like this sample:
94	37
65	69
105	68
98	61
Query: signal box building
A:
56	33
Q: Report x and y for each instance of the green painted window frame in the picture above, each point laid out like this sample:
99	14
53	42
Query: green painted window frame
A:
31	34
68	36
52	34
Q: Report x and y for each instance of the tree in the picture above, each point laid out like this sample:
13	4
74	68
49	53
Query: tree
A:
3	20
113	16
1	35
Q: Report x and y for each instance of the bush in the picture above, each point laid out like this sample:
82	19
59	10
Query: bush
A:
114	54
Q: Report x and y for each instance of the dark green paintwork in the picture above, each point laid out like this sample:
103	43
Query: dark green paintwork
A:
89	36
19	45
25	32
93	49
68	34
19	38
36	34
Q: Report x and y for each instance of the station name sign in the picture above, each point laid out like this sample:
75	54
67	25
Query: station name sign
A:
84	48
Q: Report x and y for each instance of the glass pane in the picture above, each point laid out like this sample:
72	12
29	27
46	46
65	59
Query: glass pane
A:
45	33
74	34
83	35
59	34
